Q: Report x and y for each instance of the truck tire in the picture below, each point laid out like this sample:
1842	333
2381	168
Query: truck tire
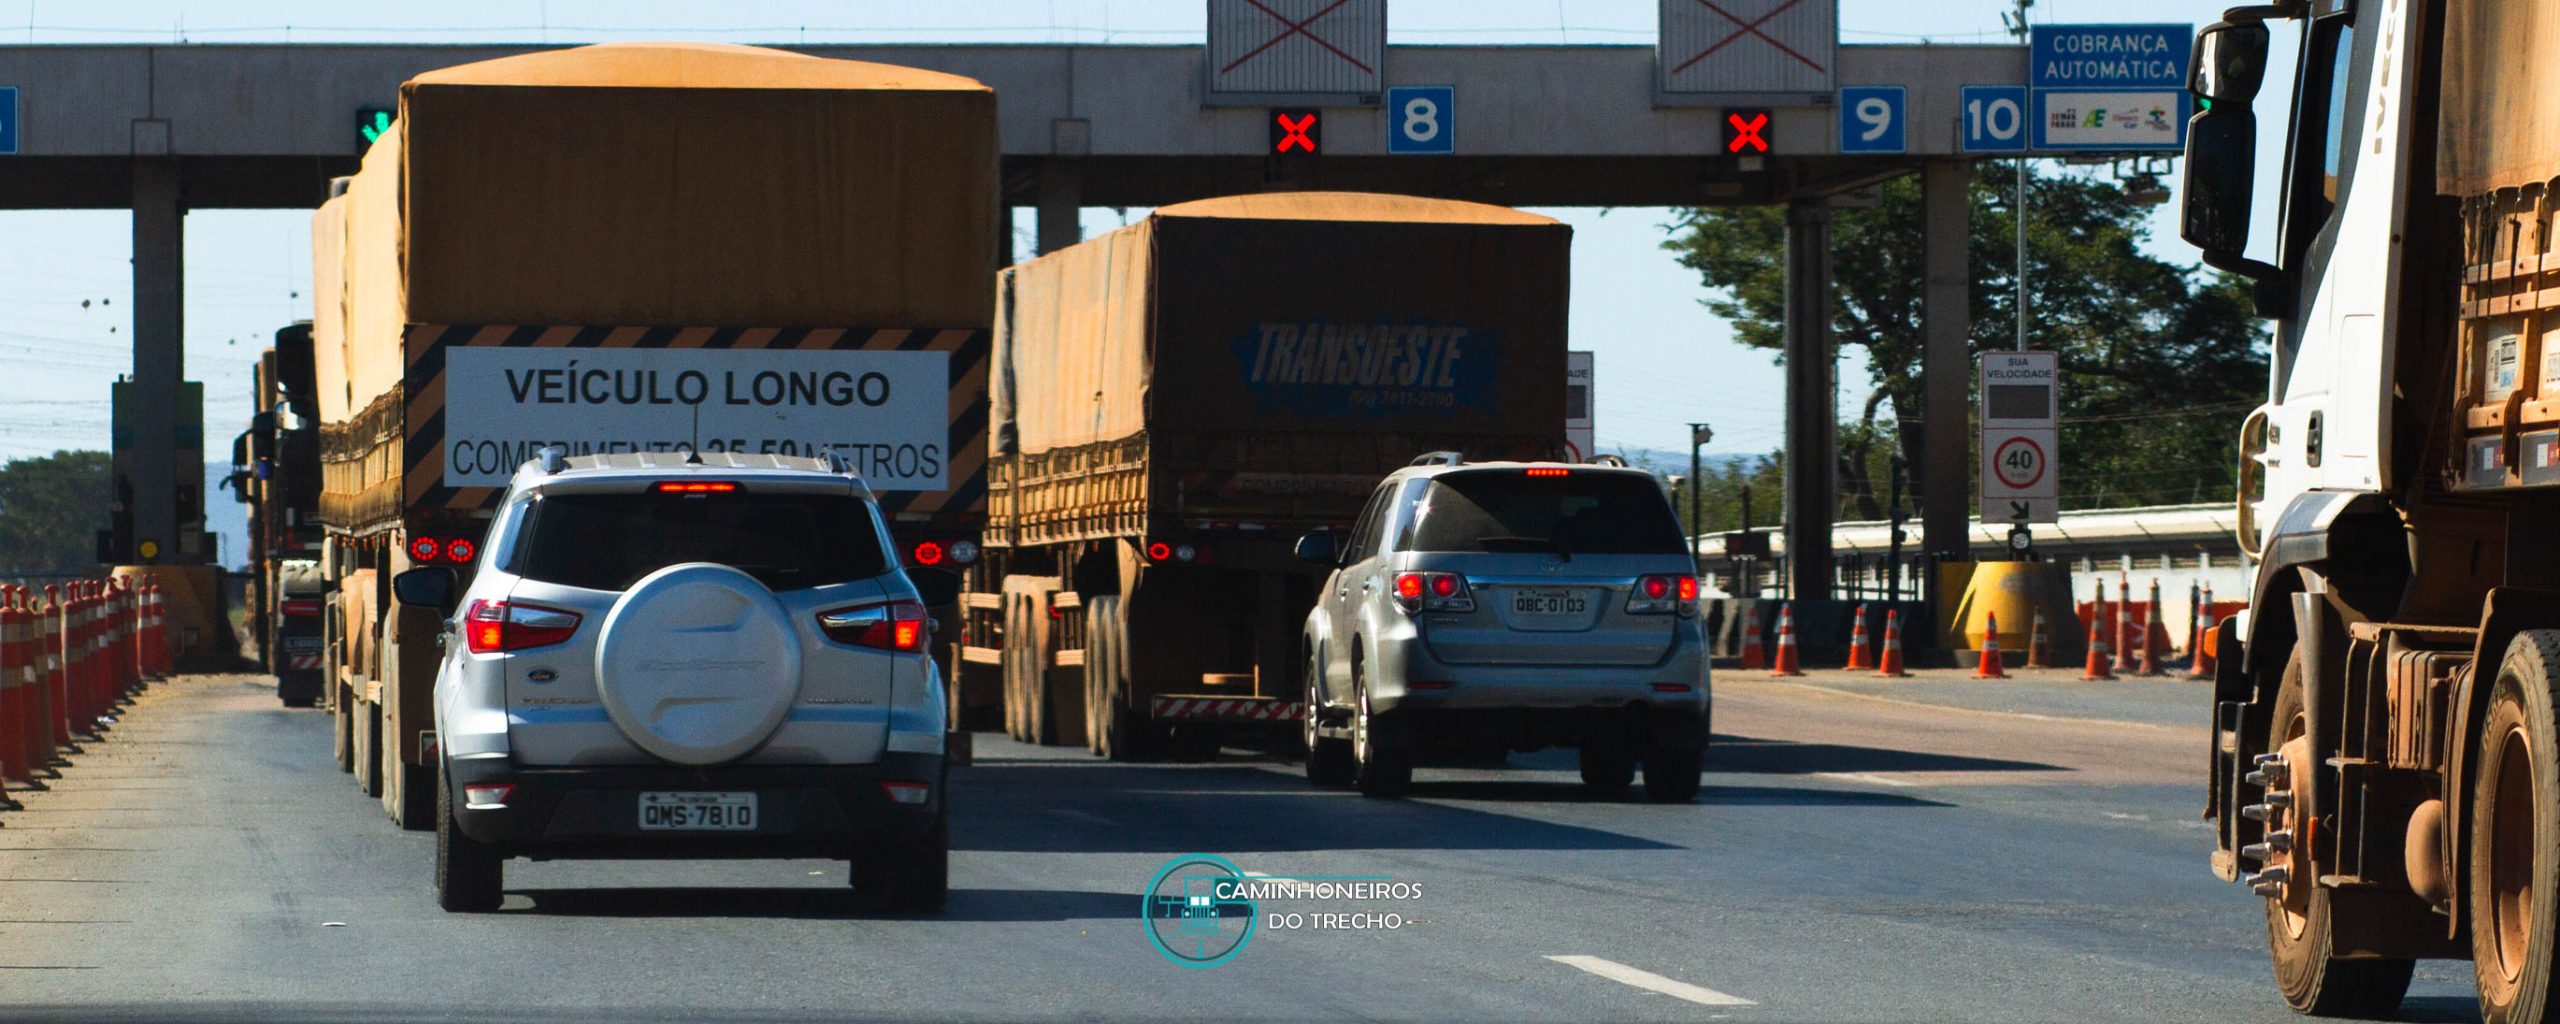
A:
1382	750
1329	759
2515	820
342	744
2312	980
907	877
470	876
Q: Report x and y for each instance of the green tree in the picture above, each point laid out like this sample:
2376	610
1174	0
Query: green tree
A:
2160	361
50	511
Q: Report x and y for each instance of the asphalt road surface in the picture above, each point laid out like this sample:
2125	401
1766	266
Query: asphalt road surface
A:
1888	855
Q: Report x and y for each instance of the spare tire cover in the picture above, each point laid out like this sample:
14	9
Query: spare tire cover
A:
698	663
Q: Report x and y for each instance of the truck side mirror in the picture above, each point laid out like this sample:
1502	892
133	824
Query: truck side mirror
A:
2222	149
2230	63
1317	548
430	586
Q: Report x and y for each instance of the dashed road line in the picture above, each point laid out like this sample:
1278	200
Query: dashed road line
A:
1651	982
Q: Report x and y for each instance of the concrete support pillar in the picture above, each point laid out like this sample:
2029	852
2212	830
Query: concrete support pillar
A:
1061	212
1946	364
159	360
1812	390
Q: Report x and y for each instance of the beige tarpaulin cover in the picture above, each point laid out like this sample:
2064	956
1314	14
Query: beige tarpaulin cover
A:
1086	328
375	314
328	306
2500	120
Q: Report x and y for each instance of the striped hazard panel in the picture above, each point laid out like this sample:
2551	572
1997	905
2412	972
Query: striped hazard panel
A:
423	449
1229	708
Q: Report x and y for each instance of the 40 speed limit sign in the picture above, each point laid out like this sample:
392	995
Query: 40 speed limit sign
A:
2019	403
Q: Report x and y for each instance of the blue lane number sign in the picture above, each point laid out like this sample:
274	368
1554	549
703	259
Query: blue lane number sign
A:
1871	119
1995	118
1422	119
8	120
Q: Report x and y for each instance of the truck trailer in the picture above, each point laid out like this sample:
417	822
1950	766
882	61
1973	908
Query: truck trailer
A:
636	247
2386	725
1176	402
276	473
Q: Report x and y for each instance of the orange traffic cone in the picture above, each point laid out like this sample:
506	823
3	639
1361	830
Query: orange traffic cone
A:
2151	624
1786	663
1889	661
1989	667
2199	625
1857	642
2039	648
2120	624
1753	658
2101	666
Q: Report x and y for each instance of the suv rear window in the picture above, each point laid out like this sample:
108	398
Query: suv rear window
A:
785	541
1579	513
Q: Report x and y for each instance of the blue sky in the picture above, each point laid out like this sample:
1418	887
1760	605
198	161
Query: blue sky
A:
64	286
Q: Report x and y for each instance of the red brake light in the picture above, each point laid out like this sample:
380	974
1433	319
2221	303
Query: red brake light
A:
696	486
1662	595
1409	586
1159	551
1688	588
423	549
929	553
492	627
895	626
1657	587
300	606
459	550
1547	471
1444	586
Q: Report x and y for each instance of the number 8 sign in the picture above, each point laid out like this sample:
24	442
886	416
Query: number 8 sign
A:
1422	119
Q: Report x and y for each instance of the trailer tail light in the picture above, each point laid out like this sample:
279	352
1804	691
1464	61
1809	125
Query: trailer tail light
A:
893	626
456	550
696	486
1548	471
493	627
1433	591
300	606
423	549
1169	551
459	550
1663	595
930	553
963	552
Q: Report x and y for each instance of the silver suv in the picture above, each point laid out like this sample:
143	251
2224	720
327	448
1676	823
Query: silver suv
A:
1479	608
660	657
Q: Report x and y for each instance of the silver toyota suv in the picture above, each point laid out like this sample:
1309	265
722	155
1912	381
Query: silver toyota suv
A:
1479	608
657	657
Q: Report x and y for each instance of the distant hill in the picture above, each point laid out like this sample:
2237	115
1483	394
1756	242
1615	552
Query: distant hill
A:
1672	463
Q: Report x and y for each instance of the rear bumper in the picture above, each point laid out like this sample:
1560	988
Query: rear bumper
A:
802	811
1407	676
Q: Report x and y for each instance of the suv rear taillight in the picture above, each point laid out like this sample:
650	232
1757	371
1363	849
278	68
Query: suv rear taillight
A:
299	606
1433	591
492	627
1663	595
894	626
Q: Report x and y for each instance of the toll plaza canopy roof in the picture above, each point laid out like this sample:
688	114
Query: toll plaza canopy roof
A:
1350	206
690	66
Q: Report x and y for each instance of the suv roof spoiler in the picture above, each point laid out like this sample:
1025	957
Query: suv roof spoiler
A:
1437	459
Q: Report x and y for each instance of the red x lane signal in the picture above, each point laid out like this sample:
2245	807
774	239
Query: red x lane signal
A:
1294	131
1745	131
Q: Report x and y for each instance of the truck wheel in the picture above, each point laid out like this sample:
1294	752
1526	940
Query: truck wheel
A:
908	877
1608	768
342	744
1382	751
470	876
2312	979
2515	820
1329	760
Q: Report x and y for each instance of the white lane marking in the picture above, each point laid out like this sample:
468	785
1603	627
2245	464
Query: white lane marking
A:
1651	982
1868	777
1084	816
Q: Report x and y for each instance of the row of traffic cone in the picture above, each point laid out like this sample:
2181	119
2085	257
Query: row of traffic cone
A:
1789	663
2102	661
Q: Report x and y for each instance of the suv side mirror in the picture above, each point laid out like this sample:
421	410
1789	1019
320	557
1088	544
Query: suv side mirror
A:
430	586
1317	548
935	587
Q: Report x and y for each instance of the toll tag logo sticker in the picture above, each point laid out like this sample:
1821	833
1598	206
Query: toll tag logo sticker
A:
1321	368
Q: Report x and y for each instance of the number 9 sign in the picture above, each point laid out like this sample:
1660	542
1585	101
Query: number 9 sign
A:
1421	119
1871	119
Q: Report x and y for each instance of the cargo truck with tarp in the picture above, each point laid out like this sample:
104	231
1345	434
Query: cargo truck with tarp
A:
275	467
1176	402
635	247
